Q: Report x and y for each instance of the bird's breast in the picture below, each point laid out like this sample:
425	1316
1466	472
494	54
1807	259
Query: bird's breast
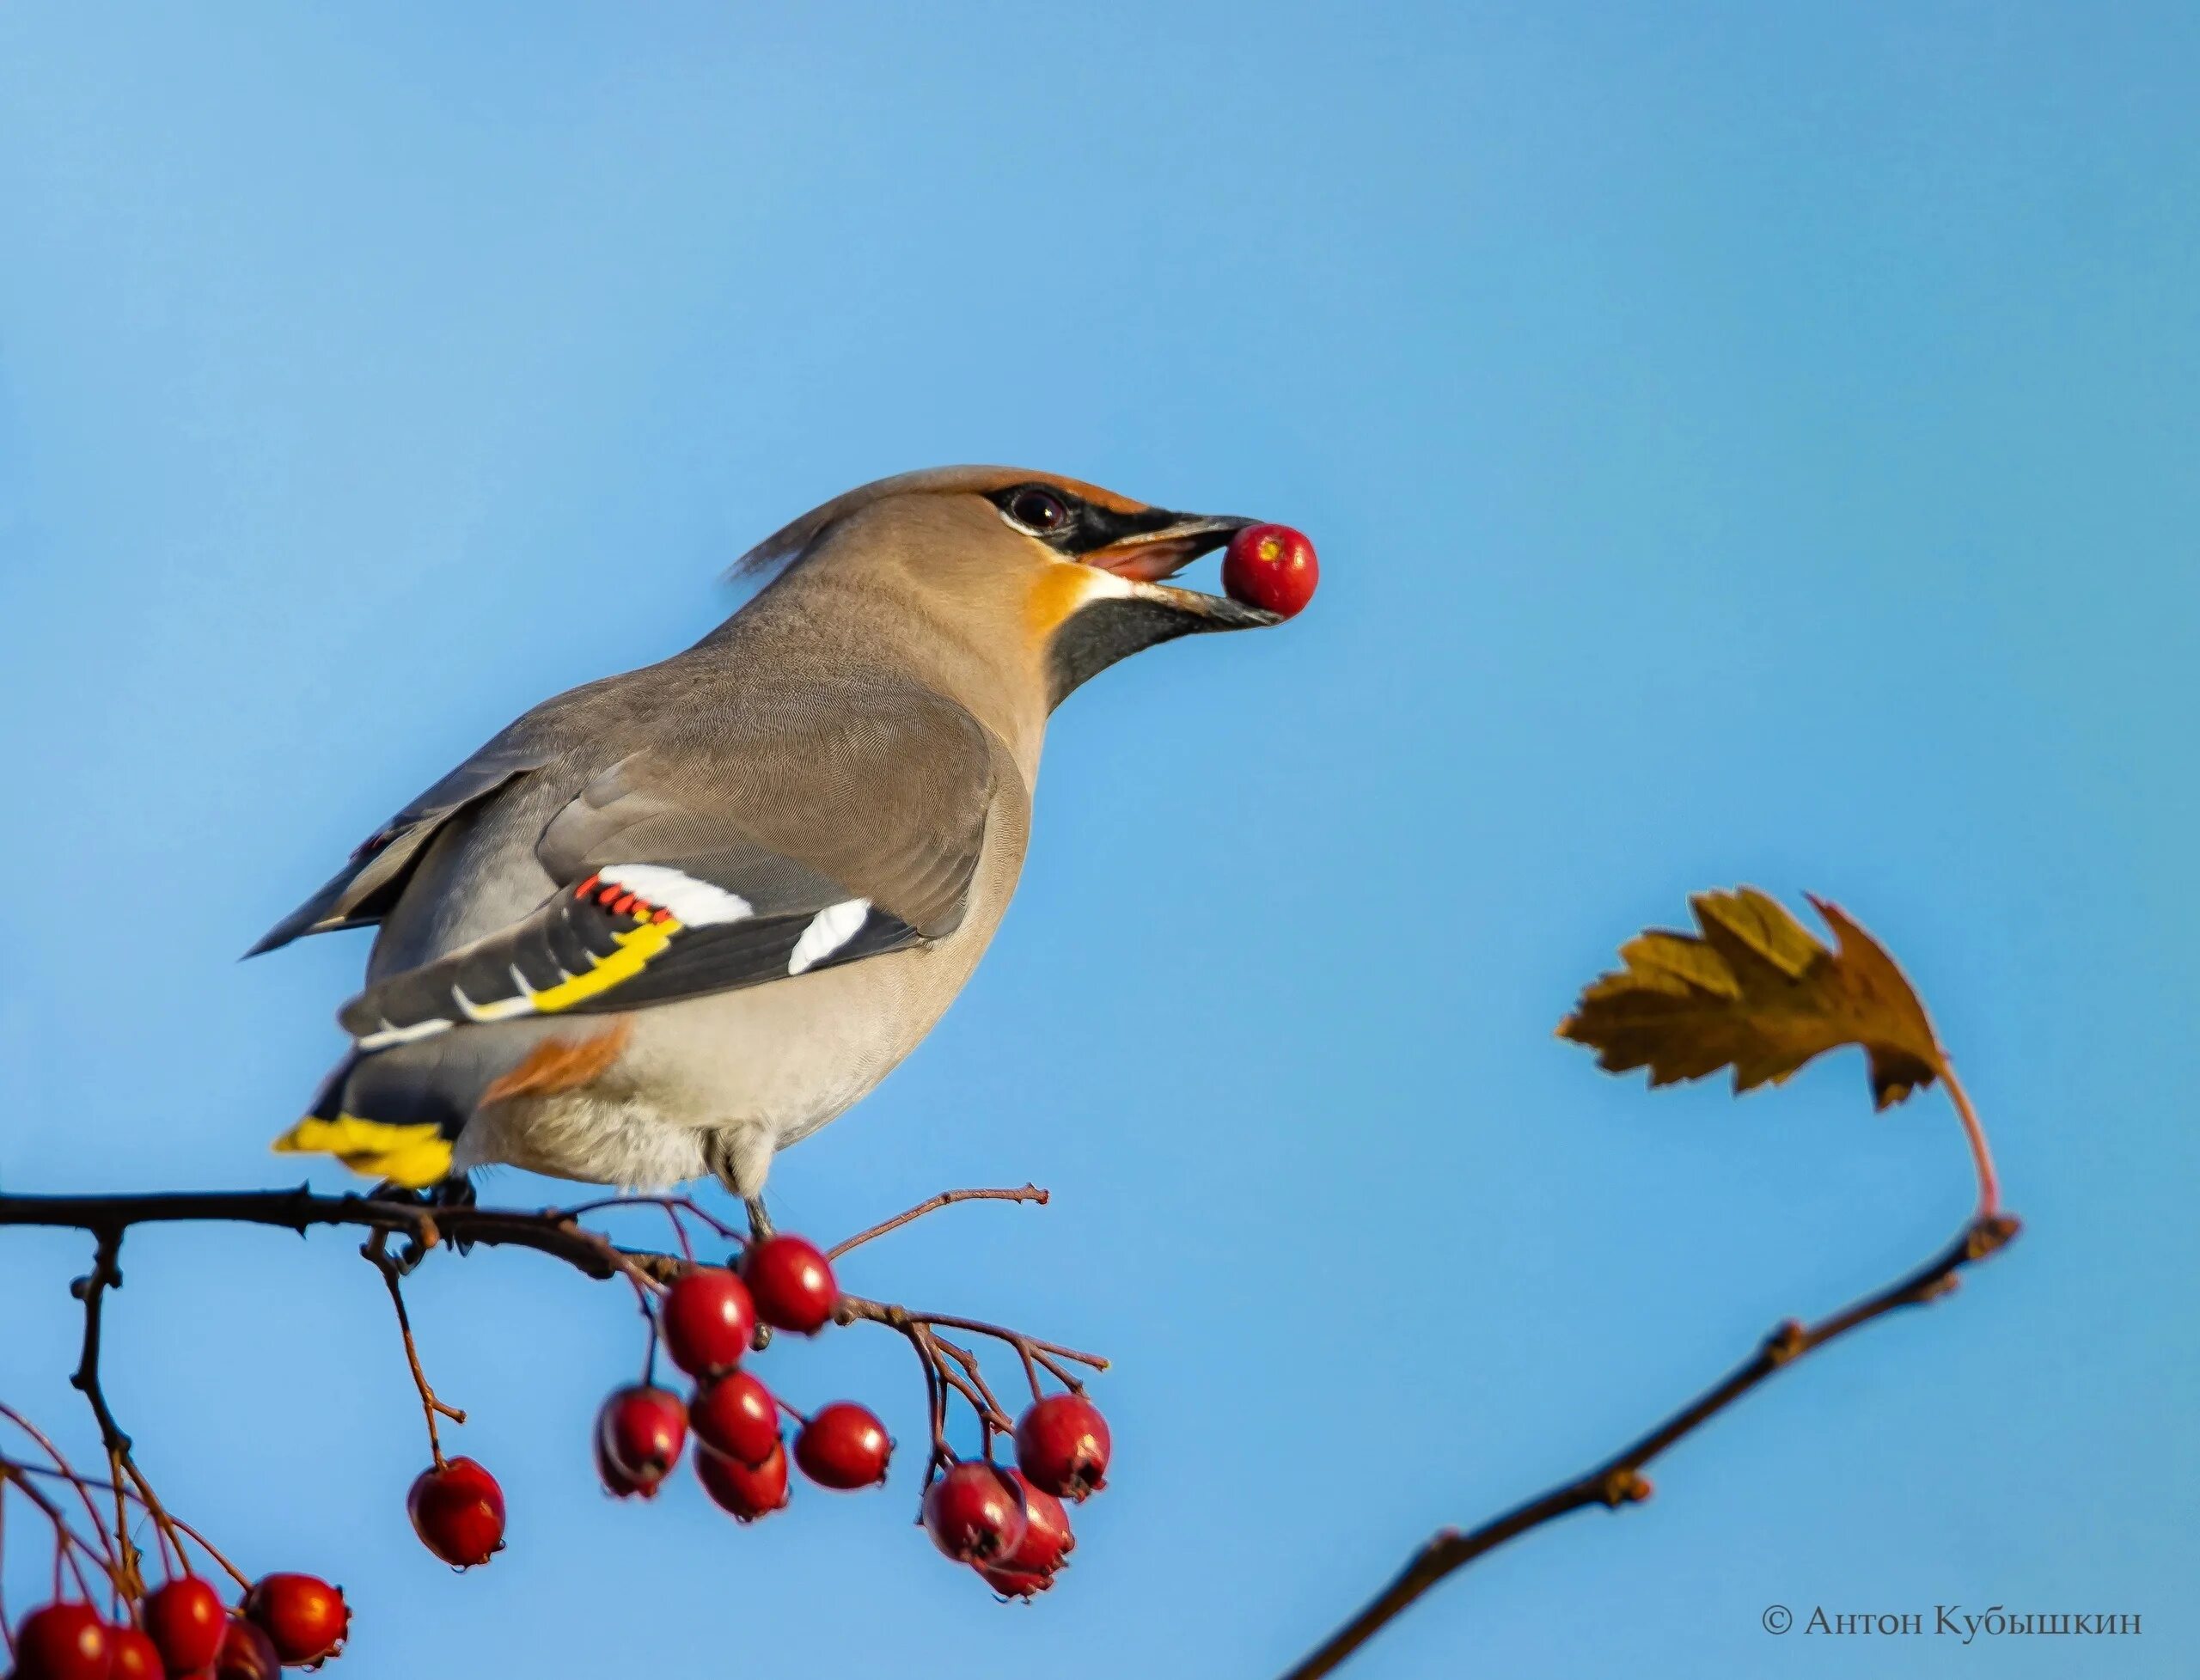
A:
790	1055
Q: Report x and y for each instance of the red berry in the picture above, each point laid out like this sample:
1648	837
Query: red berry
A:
1271	566
458	1511
63	1642
131	1655
736	1414
843	1446
1017	1583
1047	1538
974	1513
792	1283
640	1431
749	1491
708	1319
1061	1445
303	1616
246	1653
186	1618
616	1481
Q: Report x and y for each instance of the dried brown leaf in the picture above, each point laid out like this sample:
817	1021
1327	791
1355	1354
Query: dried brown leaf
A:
1756	991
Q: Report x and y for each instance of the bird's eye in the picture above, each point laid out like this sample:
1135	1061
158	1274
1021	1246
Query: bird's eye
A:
1037	509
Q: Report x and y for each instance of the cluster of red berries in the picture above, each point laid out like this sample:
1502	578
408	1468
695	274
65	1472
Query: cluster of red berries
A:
182	1631
709	1318
1010	1525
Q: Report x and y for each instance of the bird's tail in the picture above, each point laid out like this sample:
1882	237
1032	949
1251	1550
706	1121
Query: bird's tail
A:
412	1149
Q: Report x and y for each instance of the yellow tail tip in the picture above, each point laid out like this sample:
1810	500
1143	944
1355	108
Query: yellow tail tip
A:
414	1156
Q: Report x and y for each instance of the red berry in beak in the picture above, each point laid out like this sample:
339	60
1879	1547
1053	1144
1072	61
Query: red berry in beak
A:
792	1282
1271	566
747	1491
843	1446
640	1432
63	1642
131	1655
1062	1446
736	1414
304	1618
187	1621
246	1653
975	1514
708	1318
458	1511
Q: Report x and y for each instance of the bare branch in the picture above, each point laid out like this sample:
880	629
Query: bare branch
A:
1618	1481
945	1198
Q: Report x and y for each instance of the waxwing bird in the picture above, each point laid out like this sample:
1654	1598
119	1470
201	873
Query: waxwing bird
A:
670	922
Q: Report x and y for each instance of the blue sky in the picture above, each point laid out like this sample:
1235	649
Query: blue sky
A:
1746	443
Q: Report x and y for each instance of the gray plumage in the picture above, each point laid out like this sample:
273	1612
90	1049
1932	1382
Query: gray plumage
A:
670	922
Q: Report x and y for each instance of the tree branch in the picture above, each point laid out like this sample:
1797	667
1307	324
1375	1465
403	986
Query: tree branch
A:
551	1232
932	1205
1618	1481
555	1232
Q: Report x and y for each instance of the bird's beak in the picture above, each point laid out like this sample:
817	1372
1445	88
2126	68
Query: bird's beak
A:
1144	559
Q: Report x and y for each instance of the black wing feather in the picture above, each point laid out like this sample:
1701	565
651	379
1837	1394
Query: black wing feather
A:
550	963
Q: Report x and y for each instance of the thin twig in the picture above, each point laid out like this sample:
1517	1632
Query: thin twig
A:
92	1289
376	1249
62	1469
211	1551
87	1484
1618	1481
673	1207
851	1308
68	1543
932	1205
987	1407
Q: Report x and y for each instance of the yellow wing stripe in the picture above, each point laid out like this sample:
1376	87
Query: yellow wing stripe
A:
633	955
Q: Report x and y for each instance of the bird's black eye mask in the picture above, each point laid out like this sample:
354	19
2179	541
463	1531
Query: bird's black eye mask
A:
1071	525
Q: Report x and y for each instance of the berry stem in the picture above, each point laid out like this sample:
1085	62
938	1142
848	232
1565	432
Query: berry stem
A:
207	1546
987	1407
1031	1372
67	1543
677	1209
61	1469
780	1402
376	1250
86	1485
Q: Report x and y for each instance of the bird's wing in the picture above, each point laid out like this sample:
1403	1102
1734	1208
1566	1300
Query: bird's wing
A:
740	852
361	893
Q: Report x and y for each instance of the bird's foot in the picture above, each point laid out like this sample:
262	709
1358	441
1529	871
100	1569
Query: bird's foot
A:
455	1191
